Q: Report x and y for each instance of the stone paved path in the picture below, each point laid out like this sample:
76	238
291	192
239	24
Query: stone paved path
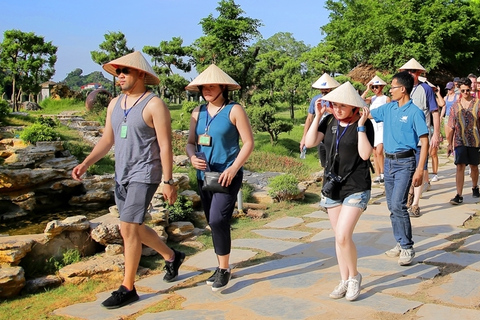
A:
296	286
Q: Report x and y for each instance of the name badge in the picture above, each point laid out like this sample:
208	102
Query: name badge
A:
123	131
205	140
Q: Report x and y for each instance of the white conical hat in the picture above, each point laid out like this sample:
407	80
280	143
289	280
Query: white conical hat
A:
325	82
412	64
377	81
423	79
212	75
345	94
133	60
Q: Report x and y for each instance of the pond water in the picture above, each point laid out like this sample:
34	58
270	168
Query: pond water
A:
36	223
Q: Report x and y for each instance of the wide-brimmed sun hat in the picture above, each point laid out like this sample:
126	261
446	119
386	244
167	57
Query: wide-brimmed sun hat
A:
325	82
133	60
412	64
377	81
213	75
345	94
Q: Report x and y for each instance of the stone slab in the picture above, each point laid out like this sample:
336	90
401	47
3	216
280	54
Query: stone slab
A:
271	245
439	312
463	289
281	234
285	222
207	260
324	224
317	214
157	284
472	243
185	315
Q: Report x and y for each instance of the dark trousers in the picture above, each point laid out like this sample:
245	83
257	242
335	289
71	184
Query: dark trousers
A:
218	208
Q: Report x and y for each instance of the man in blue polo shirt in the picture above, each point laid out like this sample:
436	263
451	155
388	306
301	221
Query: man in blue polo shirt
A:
404	127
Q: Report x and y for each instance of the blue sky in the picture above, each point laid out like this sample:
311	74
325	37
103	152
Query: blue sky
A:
78	27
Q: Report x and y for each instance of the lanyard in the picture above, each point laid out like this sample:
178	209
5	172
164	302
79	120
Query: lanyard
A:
209	121
125	111
340	137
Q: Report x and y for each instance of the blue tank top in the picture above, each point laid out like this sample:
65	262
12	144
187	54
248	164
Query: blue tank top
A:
225	139
137	156
449	104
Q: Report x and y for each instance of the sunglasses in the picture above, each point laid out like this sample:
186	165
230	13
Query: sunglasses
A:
125	71
375	87
464	90
411	71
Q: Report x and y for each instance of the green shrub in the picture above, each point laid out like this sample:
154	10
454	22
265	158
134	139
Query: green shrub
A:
102	166
4	109
181	210
247	190
47	121
283	187
187	109
179	142
38	132
192	176
70	256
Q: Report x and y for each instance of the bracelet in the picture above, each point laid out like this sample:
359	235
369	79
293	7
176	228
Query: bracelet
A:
361	129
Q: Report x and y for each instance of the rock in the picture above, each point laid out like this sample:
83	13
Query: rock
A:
161	232
181	160
157	216
180	230
13	249
261	197
192	196
42	283
13	180
97	266
256	214
113	249
75	223
31	106
12	281
107	234
199	219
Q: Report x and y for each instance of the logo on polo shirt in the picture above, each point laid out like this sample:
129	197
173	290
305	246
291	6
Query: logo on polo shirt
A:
404	119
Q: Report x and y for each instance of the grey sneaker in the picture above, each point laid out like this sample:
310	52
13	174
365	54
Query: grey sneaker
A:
340	290
353	289
212	278
394	252
406	257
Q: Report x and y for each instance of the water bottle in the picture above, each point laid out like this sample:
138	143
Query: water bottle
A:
303	153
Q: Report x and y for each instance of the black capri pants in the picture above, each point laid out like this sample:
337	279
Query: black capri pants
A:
218	208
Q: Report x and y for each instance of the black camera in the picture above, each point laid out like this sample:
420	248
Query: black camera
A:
331	185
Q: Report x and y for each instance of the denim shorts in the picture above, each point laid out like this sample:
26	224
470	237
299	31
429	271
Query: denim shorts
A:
358	200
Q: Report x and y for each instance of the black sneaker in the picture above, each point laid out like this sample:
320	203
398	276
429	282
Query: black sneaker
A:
120	298
171	268
456	200
475	192
212	278
221	280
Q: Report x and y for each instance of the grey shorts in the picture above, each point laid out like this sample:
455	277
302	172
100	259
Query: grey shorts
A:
133	200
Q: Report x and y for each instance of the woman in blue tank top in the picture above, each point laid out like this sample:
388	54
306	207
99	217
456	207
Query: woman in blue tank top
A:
213	145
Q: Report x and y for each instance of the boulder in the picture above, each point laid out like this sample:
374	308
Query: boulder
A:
114	249
42	283
199	219
107	234
12	281
75	223
97	266
180	230
14	248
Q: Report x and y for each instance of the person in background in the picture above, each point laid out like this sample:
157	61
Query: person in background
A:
473	79
348	136
214	145
449	99
138	123
464	139
404	127
375	101
423	97
325	84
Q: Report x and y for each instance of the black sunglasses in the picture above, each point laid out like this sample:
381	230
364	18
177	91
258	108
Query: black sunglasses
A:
375	87
122	70
464	90
411	70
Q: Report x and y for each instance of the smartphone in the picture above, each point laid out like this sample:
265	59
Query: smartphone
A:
201	155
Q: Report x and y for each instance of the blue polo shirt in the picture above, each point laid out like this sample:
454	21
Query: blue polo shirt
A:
311	108
402	126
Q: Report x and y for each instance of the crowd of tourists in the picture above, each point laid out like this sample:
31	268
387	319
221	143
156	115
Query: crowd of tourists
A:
401	131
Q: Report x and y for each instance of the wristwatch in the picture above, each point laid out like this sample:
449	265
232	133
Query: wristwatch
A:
170	182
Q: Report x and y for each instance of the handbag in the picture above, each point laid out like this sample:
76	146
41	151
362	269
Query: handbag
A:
210	182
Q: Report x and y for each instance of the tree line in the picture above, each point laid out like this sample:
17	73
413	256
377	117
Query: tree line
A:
441	34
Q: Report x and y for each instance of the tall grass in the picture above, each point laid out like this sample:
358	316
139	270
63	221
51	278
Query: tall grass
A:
53	106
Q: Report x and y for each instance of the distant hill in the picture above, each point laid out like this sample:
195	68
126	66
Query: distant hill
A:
75	80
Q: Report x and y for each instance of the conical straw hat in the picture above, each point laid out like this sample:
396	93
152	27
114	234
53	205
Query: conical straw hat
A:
412	64
345	94
133	60
212	75
377	81
325	82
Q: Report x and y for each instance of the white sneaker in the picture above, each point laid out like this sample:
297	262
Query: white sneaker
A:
340	290
426	186
435	178
406	257
353	289
394	252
